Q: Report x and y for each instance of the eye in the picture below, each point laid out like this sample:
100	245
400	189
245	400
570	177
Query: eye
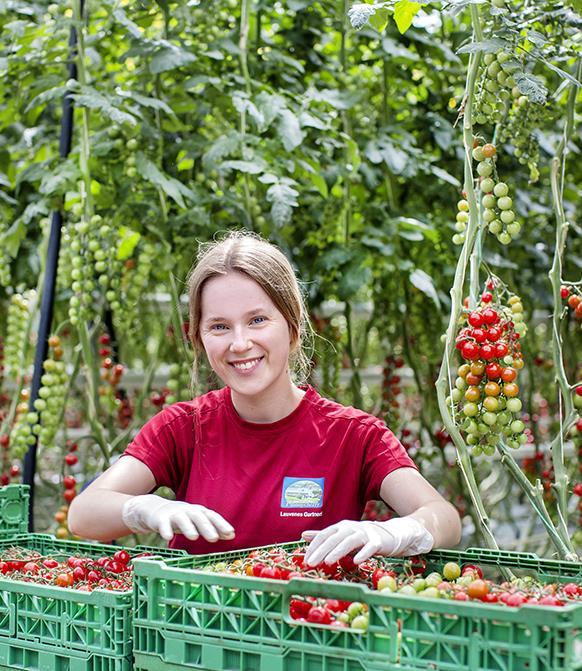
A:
218	327
258	320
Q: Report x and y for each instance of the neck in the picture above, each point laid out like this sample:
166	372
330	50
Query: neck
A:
267	408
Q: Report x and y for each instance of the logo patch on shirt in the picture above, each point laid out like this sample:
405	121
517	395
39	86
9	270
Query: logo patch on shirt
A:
302	492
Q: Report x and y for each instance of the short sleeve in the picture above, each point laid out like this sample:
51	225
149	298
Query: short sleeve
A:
383	454
165	444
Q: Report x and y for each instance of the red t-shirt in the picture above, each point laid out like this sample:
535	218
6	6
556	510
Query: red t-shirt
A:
313	468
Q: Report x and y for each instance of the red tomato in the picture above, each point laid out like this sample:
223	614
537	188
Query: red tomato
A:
69	482
319	615
122	556
299	608
348	563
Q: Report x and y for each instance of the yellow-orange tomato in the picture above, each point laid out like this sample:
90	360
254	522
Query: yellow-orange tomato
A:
492	388
64	580
249	570
58	352
478	367
25	394
489	150
518	363
510	389
473	394
477	589
60	516
54	341
473	379
62	532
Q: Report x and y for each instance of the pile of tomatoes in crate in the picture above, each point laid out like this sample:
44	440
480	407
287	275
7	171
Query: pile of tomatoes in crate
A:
113	572
407	577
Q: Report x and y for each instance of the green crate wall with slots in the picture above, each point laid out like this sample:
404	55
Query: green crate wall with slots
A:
14	504
49	628
186	618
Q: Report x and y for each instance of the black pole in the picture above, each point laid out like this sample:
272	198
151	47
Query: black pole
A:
48	290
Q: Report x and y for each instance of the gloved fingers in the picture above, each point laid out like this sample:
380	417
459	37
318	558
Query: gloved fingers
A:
164	527
329	539
343	547
182	523
225	530
317	537
373	544
198	516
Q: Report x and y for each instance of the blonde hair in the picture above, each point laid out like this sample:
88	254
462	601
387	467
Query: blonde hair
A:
247	253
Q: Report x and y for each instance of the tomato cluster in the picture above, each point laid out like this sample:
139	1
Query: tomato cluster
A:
573	297
82	573
486	392
391	389
496	87
179	383
407	577
16	322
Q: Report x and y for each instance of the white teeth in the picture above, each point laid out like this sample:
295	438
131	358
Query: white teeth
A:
246	365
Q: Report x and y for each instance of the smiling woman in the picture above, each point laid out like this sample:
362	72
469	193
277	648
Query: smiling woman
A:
308	464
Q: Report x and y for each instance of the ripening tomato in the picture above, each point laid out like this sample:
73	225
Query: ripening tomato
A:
508	374
473	380
510	389
478	368
492	389
64	580
477	589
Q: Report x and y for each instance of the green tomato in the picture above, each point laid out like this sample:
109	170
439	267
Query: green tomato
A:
470	409
489	418
514	229
495	226
354	609
488	201
360	622
484	168
431	593
433	579
451	570
487	185
504	238
507	216
517	426
387	583
419	584
505	203
407	590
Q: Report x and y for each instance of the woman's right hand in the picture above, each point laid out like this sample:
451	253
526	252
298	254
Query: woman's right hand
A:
149	512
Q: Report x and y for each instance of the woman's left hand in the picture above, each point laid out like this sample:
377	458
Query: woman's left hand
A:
398	537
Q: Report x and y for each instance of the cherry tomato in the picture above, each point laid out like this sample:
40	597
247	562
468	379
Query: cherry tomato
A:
121	556
477	589
319	615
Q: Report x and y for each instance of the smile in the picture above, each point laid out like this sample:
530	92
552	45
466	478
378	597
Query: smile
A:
249	364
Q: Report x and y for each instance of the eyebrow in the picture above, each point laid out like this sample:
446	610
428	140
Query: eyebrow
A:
250	313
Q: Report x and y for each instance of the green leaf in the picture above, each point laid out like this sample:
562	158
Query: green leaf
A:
248	167
396	50
379	20
360	14
424	283
223	146
91	98
146	101
11	238
170	186
132	28
61	178
445	176
353	154
532	87
487	46
270	106
283	198
242	104
128	243
170	57
562	73
404	12
289	130
46	96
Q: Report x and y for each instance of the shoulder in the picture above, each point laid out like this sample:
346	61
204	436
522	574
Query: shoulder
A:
178	414
332	411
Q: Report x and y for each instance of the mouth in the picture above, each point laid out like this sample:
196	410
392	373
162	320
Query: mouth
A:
246	365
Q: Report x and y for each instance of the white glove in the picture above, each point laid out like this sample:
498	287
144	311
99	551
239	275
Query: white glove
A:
398	537
154	513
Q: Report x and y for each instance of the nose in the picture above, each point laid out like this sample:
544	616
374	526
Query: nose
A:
240	341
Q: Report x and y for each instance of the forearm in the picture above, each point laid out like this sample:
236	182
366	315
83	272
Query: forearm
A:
96	514
442	521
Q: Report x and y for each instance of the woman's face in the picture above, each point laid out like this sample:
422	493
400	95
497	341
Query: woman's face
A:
246	338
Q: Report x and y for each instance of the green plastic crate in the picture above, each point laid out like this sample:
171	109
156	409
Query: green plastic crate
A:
185	618
47	628
14	502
